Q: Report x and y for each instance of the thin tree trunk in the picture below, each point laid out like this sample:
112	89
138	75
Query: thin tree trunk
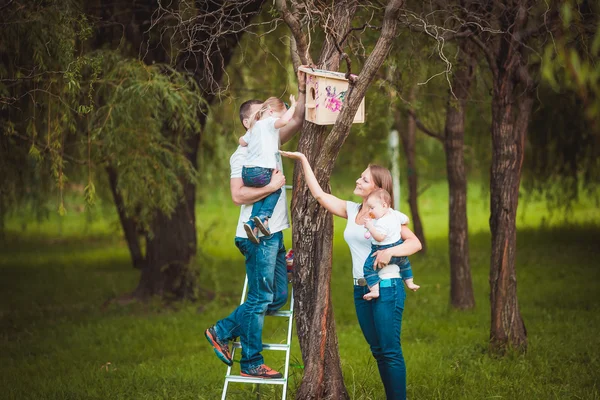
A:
461	287
313	225
511	108
129	225
408	137
508	133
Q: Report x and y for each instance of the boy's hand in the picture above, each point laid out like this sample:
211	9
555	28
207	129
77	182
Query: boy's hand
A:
292	101
368	223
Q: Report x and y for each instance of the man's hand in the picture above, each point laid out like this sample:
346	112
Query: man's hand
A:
277	180
302	79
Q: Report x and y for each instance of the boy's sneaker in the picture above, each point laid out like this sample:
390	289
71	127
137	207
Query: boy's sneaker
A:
251	233
262	371
262	225
221	349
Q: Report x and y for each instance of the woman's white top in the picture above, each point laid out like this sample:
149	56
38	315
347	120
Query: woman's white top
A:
263	144
360	247
389	225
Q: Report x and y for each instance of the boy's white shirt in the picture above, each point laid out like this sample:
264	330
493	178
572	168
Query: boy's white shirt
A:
263	144
390	225
279	221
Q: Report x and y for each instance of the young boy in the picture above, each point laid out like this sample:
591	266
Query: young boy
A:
262	140
384	227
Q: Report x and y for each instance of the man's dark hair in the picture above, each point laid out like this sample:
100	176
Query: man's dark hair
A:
245	109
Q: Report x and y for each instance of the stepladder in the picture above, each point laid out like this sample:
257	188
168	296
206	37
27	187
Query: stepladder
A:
287	347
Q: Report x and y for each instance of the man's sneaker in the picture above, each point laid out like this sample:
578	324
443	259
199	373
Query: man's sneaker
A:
251	232
262	225
262	371
221	349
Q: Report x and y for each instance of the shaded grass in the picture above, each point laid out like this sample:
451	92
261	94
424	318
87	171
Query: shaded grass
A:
56	339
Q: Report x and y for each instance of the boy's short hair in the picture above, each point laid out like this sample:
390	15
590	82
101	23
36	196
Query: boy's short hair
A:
245	109
382	195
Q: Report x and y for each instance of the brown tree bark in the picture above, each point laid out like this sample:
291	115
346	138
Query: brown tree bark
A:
131	229
408	137
171	246
313	225
461	286
511	108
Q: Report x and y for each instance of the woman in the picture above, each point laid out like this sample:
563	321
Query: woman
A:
380	319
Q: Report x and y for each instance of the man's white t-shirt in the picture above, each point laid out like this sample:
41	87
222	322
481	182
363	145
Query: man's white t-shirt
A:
360	247
389	225
263	144
279	221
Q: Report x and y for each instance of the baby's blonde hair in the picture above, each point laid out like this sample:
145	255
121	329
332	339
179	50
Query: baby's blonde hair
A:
382	195
272	103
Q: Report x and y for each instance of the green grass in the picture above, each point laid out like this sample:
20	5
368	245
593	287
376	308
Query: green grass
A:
57	336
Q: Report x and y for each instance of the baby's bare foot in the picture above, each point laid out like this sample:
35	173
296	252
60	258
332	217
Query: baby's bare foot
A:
412	286
371	295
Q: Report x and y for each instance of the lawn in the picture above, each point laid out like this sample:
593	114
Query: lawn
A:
60	339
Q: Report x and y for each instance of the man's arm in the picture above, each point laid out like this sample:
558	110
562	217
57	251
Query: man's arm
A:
288	131
241	194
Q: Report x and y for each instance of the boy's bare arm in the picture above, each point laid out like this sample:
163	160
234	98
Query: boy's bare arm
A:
288	131
374	232
285	118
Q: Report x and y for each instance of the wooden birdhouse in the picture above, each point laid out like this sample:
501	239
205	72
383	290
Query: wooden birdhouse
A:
325	92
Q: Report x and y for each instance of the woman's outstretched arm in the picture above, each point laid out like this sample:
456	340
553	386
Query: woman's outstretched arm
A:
411	245
331	203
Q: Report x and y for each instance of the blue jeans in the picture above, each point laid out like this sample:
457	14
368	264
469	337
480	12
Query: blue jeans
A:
402	262
380	320
260	177
267	292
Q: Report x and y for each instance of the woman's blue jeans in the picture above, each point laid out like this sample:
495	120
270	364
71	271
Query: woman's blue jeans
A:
260	177
267	292
380	320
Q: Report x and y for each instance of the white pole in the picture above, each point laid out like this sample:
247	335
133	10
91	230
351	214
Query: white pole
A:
393	143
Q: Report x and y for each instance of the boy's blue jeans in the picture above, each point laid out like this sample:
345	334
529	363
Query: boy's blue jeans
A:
380	320
267	292
260	177
371	275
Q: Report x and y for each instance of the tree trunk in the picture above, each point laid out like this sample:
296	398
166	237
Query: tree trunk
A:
171	246
313	225
408	137
313	243
461	287
510	119
511	108
130	227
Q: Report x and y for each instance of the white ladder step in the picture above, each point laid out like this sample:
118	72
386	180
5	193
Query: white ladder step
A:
266	346
238	378
280	314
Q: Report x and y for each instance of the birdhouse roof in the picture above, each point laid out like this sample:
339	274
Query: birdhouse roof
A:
324	73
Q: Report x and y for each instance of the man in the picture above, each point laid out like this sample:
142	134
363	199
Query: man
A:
265	261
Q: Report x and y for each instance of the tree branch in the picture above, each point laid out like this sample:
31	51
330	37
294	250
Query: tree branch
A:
423	128
299	36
